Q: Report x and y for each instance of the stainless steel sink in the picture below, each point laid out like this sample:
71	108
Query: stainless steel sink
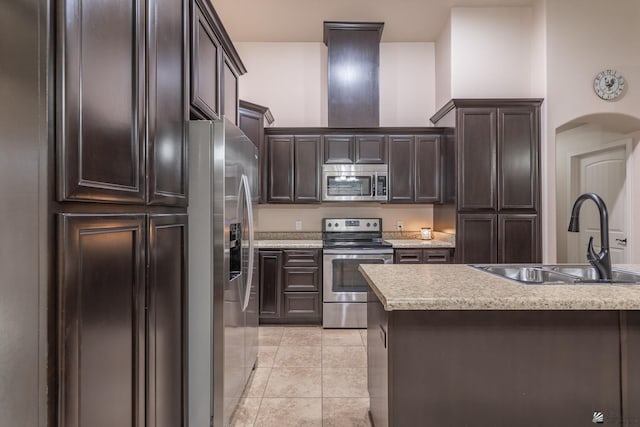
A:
557	274
528	274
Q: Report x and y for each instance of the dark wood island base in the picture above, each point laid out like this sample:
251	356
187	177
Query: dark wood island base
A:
503	367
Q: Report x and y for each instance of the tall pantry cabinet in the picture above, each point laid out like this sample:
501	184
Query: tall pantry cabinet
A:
121	111
497	174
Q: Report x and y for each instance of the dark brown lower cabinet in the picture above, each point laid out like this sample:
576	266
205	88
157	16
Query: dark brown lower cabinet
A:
501	238
423	256
166	330
270	274
122	329
102	320
290	286
501	368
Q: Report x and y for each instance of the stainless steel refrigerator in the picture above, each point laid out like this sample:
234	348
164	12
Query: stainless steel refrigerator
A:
223	296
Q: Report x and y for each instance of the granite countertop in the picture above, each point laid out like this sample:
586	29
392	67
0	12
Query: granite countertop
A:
289	244
418	243
462	287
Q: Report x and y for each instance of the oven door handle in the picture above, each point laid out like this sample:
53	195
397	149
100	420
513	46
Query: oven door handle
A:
373	184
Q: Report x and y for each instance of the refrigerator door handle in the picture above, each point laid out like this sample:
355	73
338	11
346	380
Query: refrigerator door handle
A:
247	195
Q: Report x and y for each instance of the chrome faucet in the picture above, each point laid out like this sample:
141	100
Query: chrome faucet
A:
600	261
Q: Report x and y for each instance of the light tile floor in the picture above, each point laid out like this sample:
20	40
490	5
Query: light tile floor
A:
307	376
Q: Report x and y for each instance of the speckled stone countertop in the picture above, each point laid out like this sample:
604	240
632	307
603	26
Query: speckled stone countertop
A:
462	287
417	243
289	244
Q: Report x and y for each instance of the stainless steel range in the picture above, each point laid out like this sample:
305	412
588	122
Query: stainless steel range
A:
347	243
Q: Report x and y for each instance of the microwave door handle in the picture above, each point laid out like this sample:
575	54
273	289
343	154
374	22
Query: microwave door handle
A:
373	184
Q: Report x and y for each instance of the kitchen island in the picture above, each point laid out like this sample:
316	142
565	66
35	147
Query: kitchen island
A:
449	345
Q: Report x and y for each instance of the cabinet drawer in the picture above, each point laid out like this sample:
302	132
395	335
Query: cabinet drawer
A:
301	279
408	256
301	258
436	256
302	305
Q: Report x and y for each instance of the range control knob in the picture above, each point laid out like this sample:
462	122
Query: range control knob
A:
336	224
375	224
368	224
328	224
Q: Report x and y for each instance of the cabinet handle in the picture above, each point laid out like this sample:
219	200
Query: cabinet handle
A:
383	336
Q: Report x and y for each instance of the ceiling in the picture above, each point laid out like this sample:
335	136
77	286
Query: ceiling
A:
301	20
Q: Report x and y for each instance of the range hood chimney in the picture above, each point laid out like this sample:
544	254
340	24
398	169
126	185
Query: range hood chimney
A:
354	69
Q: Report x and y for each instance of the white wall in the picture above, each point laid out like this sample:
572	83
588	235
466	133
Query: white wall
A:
492	52
289	78
584	37
443	65
407	83
283	217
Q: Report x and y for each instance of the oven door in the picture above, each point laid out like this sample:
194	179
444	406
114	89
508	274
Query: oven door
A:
341	280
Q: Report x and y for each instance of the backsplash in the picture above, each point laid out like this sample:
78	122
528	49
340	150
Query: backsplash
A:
283	218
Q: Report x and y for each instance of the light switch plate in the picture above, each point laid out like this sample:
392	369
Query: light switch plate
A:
298	225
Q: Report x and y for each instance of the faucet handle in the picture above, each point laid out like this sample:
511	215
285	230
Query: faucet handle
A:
591	253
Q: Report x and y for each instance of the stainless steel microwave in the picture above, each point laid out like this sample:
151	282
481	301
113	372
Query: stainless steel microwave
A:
354	183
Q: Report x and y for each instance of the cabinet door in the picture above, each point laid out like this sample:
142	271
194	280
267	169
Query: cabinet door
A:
370	149
167	276
401	169
303	306
252	124
307	169
477	238
477	158
101	320
518	143
270	284
205	65
100	105
166	137
280	169
338	149
229	92
301	279
519	238
427	167
408	256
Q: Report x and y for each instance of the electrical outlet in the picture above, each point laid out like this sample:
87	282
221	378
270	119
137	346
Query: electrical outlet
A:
400	225
298	225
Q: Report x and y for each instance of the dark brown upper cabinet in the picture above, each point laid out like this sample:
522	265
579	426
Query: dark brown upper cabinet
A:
102	320
498	160
307	169
293	169
122	100
401	168
230	92
428	169
414	169
362	149
215	66
370	149
280	169
353	73
252	119
338	149
205	66
518	158
100	99
477	159
167	101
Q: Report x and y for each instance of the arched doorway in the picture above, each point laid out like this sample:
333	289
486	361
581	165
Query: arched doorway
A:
598	153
